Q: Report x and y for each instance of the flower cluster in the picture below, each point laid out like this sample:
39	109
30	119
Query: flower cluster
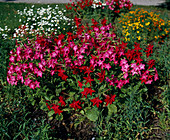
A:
109	9
42	21
118	5
92	54
4	32
138	25
79	5
98	4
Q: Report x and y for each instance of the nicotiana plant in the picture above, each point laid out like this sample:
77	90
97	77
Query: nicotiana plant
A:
89	66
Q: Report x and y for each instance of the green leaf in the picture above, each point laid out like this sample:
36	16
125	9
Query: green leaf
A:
112	109
51	113
47	98
82	112
123	90
92	114
66	109
59	117
72	93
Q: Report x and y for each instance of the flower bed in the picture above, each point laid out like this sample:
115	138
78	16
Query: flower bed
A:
83	75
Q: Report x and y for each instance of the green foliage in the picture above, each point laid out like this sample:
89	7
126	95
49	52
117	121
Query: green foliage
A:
5	47
92	114
17	122
162	56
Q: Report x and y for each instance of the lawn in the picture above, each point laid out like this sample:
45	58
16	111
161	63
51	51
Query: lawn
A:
86	71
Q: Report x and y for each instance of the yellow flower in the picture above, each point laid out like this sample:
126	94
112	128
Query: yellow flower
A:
139	37
147	23
127	34
138	32
141	25
166	31
162	23
125	38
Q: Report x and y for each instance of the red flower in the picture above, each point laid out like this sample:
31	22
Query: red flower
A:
149	50
109	99
48	106
101	76
151	63
88	70
137	46
75	105
95	23
80	84
77	20
88	79
96	101
87	91
56	109
62	101
103	22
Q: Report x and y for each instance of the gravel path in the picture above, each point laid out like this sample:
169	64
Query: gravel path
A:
135	2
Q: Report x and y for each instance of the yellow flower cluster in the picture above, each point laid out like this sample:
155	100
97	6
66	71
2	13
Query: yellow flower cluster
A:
143	25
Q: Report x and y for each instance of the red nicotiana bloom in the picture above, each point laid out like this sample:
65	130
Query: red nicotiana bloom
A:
56	109
75	105
109	99
96	101
62	101
87	91
88	79
80	84
48	106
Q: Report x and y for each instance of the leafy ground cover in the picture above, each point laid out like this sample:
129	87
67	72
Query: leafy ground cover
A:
84	70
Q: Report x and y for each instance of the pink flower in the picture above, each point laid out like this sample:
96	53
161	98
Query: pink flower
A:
123	62
31	66
27	81
125	75
156	75
12	59
39	73
100	62
125	68
107	66
37	84
133	72
141	66
120	84
32	85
